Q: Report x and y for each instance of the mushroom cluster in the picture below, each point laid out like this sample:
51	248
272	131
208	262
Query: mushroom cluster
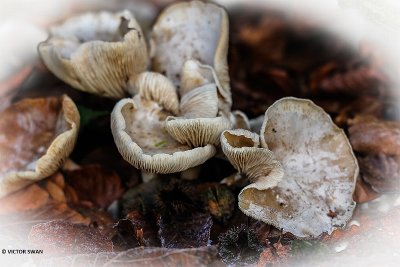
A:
174	113
173	122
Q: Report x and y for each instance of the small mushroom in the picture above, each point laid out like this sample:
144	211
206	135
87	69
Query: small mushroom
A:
201	102
320	171
254	163
194	75
36	137
96	52
198	124
192	31
239	120
155	87
138	127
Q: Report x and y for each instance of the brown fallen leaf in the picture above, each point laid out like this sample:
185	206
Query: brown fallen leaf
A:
275	255
146	228
188	231
381	172
42	201
127	235
363	192
321	73
357	81
8	87
29	198
376	137
36	204
95	184
152	256
59	238
109	158
362	106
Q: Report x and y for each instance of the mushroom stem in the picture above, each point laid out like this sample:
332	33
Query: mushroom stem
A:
191	174
235	179
148	176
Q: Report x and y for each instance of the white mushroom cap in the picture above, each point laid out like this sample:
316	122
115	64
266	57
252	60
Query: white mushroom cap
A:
315	194
36	137
191	30
140	135
96	52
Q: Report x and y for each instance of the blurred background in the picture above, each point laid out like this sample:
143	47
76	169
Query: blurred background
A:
342	54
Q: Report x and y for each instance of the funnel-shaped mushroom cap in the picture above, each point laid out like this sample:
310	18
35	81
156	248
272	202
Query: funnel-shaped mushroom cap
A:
96	52
191	30
315	194
254	163
138	127
36	136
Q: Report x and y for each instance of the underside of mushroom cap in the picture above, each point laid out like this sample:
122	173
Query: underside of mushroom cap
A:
197	131
315	194
258	165
201	102
96	52
191	30
138	127
195	75
36	137
157	88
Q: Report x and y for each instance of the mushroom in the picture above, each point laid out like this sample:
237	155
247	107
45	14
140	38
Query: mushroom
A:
96	52
138	127
198	124
197	132
254	163
239	120
315	194
36	137
194	75
192	31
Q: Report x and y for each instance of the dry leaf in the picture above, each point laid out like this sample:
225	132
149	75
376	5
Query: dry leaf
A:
275	255
374	137
381	172
29	198
363	191
58	238
239	246
186	232
146	229
157	257
95	184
